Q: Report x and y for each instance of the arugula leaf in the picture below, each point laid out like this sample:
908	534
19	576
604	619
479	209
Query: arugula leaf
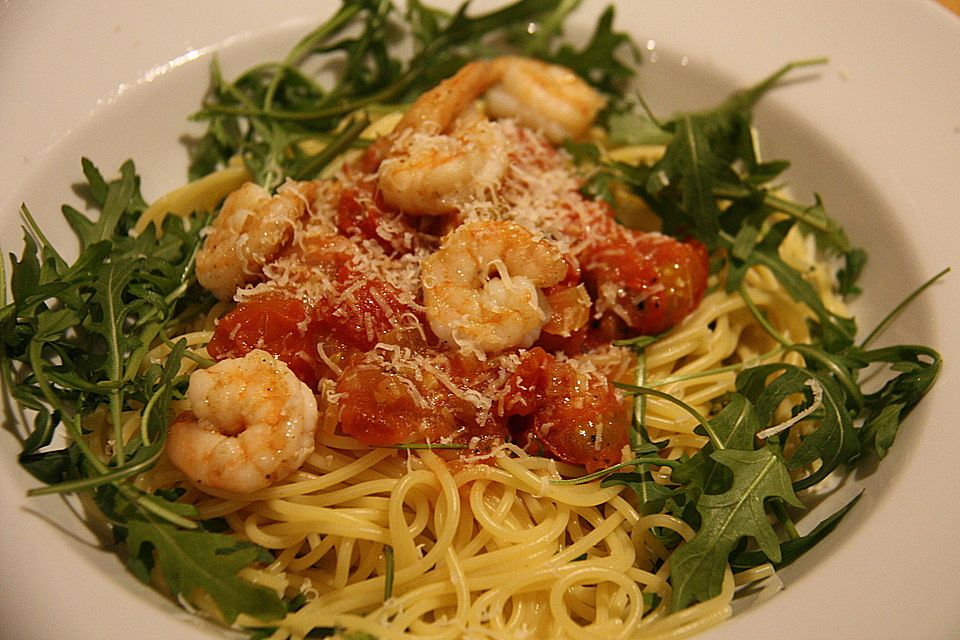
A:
68	335
690	165
424	22
734	428
651	494
598	61
886	408
75	337
710	151
632	128
50	466
119	202
854	262
191	560
25	275
735	425
833	443
696	567
792	549
836	332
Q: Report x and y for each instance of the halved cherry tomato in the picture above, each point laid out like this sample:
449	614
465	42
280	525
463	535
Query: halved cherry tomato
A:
574	418
656	280
369	310
380	407
362	213
279	326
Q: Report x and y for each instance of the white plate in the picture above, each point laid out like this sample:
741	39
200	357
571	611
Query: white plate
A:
876	132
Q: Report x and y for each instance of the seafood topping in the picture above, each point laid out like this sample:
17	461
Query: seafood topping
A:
451	285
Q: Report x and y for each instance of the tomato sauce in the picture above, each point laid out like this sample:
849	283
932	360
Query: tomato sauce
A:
277	325
382	407
362	214
295	332
637	283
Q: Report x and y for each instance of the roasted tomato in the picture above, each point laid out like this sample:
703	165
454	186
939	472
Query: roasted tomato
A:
554	409
381	407
365	311
279	326
360	213
650	282
353	218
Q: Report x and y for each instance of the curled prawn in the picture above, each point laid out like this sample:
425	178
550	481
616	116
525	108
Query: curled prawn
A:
438	174
441	155
482	289
543	96
251	424
250	230
436	110
438	159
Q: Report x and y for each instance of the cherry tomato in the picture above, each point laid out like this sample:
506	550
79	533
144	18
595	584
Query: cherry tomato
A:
368	311
277	325
558	412
361	213
379	407
654	281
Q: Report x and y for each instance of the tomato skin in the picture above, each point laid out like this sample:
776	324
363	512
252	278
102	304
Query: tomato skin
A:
558	412
658	280
361	213
382	408
291	331
277	325
353	218
367	316
378	409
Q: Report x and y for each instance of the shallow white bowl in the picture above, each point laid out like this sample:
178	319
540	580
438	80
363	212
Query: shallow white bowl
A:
876	133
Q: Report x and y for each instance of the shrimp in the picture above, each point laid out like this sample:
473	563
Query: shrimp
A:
251	424
441	156
482	287
543	96
250	230
434	150
436	110
438	174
